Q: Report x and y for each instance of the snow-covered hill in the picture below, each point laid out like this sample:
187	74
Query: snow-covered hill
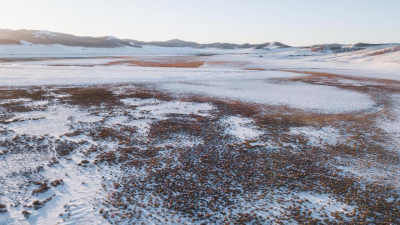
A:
34	43
17	37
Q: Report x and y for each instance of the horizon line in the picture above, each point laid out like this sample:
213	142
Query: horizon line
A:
382	43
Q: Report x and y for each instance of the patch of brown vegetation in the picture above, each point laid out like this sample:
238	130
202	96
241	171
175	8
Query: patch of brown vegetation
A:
43	188
257	69
55	183
15	105
3	153
26	213
64	148
385	51
165	128
179	64
317	49
227	63
171	61
109	157
90	96
336	76
145	92
33	93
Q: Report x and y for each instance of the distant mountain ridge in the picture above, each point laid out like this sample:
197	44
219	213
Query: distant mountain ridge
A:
18	37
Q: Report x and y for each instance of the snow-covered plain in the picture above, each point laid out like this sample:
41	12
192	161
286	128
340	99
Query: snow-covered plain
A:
356	63
306	135
224	81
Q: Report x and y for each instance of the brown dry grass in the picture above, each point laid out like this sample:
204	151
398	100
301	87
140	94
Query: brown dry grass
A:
258	69
32	93
227	63
178	64
385	51
276	114
144	91
90	96
173	61
336	76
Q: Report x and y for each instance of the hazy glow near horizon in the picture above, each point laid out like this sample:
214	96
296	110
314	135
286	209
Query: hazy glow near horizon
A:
292	22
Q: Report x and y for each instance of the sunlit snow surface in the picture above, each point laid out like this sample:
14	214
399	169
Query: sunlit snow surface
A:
224	82
304	96
242	128
54	121
317	137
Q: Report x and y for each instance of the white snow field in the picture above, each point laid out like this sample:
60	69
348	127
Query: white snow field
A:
159	135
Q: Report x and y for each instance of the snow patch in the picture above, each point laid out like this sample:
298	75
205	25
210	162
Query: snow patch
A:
177	107
318	137
54	121
318	98
240	127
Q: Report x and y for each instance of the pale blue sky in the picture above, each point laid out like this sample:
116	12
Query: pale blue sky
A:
293	22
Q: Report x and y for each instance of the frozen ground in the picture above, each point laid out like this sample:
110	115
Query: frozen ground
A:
233	137
224	81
